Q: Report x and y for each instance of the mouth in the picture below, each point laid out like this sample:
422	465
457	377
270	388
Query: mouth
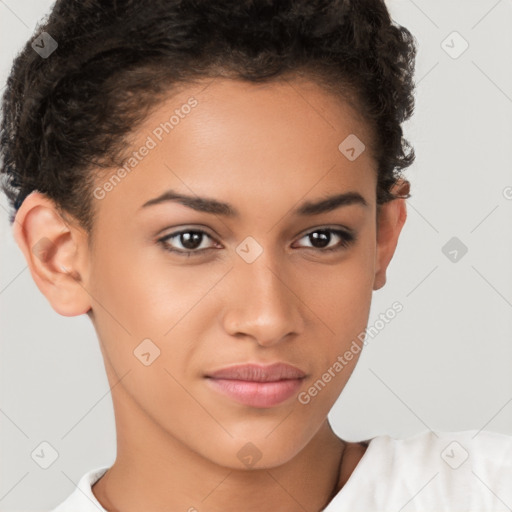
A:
260	386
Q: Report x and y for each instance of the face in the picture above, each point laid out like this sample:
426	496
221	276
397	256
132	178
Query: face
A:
253	273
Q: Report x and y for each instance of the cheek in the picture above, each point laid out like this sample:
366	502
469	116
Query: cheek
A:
341	295
342	303
136	292
144	316
138	296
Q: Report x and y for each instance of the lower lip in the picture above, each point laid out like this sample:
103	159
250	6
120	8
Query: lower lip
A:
257	394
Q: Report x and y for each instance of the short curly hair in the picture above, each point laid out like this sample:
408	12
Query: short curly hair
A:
68	116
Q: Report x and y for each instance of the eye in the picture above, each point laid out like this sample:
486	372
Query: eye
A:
321	238
191	241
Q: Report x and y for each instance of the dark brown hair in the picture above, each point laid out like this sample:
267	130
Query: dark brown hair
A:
66	117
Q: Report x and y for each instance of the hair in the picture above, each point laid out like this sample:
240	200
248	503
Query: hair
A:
68	116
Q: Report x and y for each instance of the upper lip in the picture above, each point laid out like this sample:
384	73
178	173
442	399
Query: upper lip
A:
259	373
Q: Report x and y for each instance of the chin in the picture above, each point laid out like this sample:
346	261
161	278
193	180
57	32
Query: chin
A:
259	451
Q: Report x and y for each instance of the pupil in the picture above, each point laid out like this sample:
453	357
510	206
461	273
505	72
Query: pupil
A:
323	236
191	240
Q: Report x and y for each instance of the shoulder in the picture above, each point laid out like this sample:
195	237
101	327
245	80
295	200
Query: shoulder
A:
453	448
469	468
82	499
429	471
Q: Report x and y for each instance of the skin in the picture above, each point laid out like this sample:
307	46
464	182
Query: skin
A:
265	149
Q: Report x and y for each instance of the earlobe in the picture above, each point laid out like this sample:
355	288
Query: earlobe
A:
53	251
390	221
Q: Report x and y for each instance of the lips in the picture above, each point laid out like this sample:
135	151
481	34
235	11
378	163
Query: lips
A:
257	385
257	373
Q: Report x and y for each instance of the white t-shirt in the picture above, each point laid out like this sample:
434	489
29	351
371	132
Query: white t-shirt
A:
468	471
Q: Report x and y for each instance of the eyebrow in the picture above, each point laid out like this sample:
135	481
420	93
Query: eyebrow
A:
213	206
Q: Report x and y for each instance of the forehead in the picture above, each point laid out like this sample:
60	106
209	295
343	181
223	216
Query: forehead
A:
258	143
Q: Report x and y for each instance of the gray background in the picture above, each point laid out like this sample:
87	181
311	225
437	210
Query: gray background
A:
443	363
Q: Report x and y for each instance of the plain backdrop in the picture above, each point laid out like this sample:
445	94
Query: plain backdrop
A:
443	363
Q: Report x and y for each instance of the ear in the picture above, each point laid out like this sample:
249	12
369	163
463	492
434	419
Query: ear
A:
391	217
56	254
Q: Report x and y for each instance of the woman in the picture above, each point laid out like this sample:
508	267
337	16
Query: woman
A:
217	185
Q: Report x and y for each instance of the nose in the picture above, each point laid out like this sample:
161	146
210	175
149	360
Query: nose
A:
263	302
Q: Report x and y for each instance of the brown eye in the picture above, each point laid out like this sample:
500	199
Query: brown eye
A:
190	241
321	239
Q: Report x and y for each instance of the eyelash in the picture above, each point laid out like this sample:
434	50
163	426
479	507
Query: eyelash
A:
346	240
